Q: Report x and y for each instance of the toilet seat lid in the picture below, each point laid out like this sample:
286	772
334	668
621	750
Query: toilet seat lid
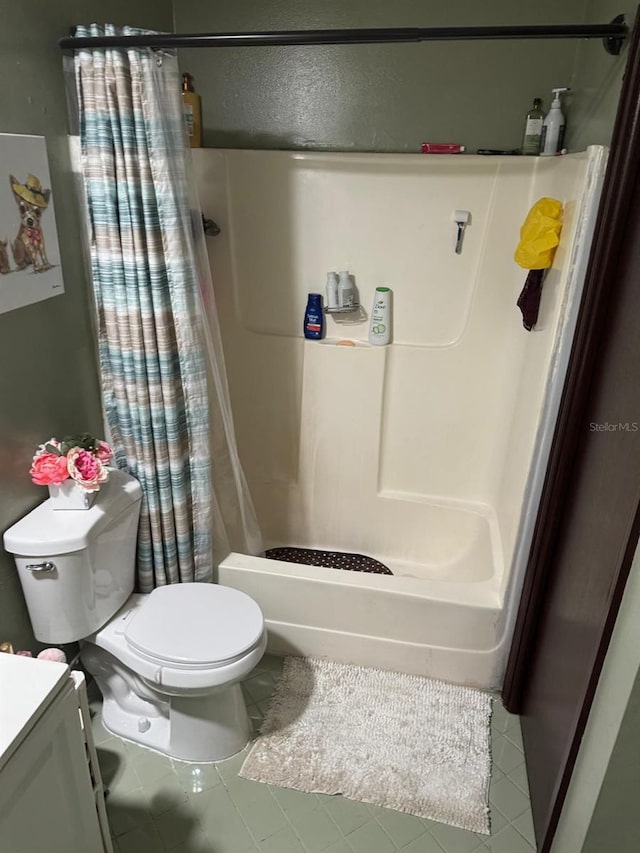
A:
196	624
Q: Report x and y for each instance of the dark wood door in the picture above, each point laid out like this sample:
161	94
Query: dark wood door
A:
587	528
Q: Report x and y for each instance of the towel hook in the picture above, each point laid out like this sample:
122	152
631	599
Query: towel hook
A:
461	218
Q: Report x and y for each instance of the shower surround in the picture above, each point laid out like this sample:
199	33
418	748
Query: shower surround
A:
427	454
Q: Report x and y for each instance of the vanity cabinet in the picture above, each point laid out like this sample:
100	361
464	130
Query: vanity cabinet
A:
51	793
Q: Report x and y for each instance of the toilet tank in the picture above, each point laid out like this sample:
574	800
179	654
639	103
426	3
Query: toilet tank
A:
77	567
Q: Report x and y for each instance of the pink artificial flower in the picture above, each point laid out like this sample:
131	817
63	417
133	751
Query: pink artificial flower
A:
47	469
86	469
104	452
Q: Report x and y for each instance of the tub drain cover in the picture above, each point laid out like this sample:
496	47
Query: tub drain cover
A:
329	559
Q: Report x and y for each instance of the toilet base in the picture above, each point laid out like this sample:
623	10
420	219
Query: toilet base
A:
199	728
215	726
202	729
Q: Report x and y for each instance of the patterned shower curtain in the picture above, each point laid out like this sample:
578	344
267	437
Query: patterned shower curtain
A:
134	161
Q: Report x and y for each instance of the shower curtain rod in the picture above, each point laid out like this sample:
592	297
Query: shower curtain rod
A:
613	34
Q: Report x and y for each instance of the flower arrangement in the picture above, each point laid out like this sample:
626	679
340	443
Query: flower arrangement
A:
81	458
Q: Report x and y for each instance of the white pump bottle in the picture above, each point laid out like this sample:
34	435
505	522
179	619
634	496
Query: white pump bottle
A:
553	126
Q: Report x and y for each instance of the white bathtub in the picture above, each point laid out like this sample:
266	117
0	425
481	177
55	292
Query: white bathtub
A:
442	617
428	454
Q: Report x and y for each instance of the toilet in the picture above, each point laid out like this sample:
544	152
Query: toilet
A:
168	664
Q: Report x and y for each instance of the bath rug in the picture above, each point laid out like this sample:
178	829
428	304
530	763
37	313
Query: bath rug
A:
329	559
400	741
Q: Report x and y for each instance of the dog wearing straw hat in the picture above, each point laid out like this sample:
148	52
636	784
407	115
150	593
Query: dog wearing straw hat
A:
28	248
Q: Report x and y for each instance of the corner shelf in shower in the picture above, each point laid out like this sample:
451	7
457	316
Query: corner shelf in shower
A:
351	309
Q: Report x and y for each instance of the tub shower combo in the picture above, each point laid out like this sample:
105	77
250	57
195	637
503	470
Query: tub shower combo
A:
428	454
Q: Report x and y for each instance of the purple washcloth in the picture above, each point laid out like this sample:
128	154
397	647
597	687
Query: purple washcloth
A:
529	299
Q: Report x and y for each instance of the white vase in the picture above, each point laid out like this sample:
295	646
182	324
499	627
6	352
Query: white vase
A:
69	495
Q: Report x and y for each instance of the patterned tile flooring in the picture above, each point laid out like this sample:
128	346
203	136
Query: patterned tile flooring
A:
156	804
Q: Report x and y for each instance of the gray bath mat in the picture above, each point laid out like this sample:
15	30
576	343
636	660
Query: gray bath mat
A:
399	741
329	559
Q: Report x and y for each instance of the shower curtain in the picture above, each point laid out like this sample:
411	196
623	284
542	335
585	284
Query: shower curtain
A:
162	368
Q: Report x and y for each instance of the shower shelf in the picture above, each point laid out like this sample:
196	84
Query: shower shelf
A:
350	310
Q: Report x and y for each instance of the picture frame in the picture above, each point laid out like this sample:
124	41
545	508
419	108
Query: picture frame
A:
30	269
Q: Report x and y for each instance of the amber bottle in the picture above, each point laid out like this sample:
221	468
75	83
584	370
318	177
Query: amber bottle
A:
192	111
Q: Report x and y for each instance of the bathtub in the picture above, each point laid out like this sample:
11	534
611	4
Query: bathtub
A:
428	454
442	618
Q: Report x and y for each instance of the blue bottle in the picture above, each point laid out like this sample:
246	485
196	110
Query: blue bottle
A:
314	318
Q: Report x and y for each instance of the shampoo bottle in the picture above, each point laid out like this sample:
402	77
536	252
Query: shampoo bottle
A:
332	290
380	325
314	318
553	125
531	142
345	290
192	111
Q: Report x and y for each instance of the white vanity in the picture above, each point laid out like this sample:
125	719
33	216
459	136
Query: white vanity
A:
51	793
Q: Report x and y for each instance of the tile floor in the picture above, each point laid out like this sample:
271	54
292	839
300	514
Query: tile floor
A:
156	804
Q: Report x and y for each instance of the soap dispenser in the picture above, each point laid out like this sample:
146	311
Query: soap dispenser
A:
553	125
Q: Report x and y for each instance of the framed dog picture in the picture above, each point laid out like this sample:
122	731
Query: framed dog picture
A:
29	253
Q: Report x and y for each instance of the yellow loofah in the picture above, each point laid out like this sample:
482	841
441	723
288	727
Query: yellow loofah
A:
539	235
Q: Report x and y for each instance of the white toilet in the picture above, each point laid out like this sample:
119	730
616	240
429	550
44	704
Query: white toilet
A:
169	663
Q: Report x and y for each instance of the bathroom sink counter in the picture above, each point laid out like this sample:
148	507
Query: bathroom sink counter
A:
27	686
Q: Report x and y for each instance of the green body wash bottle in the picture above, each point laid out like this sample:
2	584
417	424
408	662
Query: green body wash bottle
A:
533	129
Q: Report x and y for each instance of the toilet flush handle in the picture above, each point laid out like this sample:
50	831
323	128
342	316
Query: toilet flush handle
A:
41	568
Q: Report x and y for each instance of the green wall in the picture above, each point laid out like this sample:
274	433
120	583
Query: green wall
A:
374	97
596	81
48	378
614	825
